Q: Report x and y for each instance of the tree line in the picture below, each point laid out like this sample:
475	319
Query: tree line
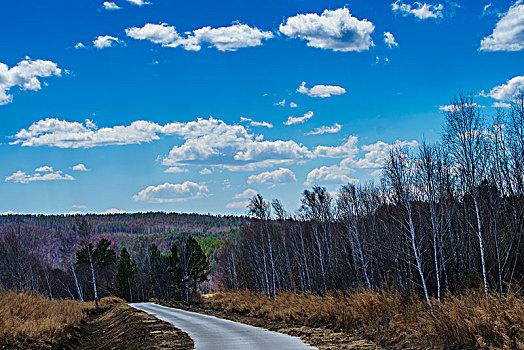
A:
443	218
92	270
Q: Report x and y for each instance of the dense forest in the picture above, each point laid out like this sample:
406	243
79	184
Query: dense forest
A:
67	255
444	217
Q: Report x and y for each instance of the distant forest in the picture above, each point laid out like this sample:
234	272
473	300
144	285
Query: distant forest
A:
51	253
444	217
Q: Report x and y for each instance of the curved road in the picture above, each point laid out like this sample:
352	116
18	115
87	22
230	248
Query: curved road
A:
209	332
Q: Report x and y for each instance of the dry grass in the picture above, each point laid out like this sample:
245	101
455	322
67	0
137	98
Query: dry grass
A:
30	316
391	319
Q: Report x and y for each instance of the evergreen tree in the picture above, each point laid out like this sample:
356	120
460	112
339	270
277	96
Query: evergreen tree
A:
125	273
176	275
195	266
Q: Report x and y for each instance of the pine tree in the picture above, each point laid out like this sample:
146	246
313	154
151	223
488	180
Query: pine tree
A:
125	273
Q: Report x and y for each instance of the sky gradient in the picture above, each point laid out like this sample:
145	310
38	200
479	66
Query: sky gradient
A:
196	106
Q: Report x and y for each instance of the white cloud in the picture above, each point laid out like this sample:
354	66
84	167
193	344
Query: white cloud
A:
63	134
374	158
389	39
79	206
205	171
281	103
110	6
298	120
326	130
172	192
201	142
247	193
420	10
237	205
450	108
80	167
80	46
104	41
25	75
508	34
501	105
156	33
510	90
175	170
293	105
377	153
255	123
345	150
329	175
321	90
139	2
335	30
44	169
279	176
21	177
229	38
114	211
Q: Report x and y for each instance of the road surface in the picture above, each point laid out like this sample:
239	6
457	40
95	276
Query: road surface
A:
210	333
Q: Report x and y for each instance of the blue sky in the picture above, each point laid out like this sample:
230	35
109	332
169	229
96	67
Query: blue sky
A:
195	106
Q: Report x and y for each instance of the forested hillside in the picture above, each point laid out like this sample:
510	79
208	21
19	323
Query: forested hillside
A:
44	235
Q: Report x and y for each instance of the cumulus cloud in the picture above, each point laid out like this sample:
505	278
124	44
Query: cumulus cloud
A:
293	105
44	169
326	130
321	90
230	38
114	211
80	167
139	2
501	105
332	175
237	205
171	192
377	153
104	41
80	46
205	171
508	91
374	158
389	39
247	193
450	108
156	33
110	6
508	34
44	175
420	10
64	134
298	120
335	30
255	123
279	176
25	75
175	170
280	103
201	142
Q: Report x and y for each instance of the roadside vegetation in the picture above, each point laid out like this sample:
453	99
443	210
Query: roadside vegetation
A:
29	318
391	319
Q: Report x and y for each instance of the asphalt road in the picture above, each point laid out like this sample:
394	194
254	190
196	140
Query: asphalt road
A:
210	332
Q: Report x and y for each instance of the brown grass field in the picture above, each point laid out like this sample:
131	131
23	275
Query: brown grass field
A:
392	320
26	317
